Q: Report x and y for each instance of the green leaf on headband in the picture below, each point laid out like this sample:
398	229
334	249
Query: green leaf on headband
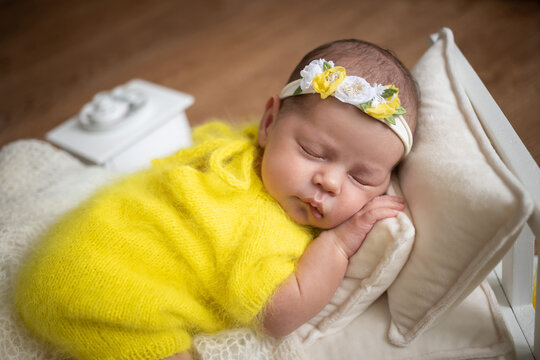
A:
326	66
297	91
390	120
388	92
400	111
365	105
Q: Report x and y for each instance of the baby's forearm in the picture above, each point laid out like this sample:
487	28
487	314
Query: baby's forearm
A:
319	272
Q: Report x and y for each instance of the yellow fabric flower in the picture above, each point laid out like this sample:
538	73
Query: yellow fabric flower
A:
384	110
327	82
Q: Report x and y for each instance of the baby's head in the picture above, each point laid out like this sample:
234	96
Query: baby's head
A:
333	136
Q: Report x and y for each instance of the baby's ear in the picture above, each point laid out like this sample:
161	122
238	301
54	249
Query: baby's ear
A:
269	118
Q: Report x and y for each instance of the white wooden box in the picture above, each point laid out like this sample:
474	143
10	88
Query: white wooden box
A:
157	128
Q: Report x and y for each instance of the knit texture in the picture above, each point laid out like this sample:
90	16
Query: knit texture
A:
246	344
194	244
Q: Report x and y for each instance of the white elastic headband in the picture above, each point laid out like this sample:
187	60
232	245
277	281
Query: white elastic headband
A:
381	102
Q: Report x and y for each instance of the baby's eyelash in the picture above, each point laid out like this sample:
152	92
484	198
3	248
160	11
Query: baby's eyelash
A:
311	152
358	180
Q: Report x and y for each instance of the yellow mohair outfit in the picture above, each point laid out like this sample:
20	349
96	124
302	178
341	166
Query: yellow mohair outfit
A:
194	244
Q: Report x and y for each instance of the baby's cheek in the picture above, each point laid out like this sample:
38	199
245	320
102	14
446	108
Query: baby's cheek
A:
355	201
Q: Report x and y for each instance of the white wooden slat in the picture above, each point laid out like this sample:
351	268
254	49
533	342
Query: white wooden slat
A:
522	347
517	273
536	349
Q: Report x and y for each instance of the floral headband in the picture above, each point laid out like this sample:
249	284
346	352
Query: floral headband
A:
378	101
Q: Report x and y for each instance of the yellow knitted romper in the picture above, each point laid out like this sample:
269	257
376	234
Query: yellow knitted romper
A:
194	244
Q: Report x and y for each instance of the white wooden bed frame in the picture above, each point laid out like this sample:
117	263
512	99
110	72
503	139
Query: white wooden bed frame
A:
513	278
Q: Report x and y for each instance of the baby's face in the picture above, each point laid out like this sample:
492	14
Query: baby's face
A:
325	165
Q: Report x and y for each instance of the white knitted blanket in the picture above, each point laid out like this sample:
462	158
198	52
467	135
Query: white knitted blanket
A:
38	183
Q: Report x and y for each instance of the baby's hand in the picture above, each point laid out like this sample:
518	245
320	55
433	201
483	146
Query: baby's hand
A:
351	234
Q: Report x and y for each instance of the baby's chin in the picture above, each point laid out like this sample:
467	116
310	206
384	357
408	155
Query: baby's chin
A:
322	224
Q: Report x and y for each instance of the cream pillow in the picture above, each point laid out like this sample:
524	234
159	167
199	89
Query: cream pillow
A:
371	271
467	207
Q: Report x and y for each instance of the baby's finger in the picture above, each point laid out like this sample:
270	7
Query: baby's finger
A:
393	202
371	216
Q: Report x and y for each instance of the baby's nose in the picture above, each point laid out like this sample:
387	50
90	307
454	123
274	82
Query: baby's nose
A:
330	180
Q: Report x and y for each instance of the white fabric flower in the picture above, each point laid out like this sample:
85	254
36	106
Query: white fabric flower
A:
354	90
377	97
314	68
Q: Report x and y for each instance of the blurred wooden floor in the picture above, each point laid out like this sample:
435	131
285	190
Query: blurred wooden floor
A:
233	54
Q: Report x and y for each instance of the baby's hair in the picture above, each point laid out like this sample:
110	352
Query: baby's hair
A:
375	64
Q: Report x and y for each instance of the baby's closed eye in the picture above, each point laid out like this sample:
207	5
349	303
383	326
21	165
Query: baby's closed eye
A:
312	152
359	180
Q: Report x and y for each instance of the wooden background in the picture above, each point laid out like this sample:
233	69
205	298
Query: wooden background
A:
233	54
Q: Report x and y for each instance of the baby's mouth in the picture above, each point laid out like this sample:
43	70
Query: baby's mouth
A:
315	207
317	214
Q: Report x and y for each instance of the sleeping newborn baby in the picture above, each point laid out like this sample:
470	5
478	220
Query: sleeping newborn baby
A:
251	226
